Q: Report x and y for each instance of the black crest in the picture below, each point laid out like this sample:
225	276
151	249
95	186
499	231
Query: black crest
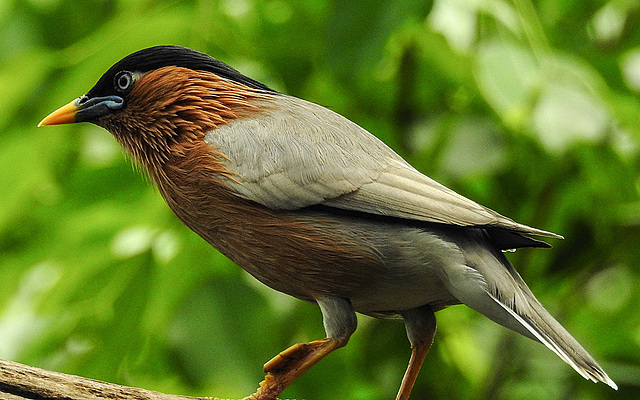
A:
163	56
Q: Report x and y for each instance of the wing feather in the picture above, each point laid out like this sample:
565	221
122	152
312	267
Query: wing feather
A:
298	154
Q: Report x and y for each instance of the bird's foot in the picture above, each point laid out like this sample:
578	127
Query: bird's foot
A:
268	390
300	355
287	366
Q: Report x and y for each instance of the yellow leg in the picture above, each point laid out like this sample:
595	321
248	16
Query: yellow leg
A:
421	329
287	366
339	323
418	354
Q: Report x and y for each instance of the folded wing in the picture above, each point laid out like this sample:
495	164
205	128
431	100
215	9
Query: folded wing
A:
299	154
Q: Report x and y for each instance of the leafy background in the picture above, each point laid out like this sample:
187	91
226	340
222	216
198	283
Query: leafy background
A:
530	108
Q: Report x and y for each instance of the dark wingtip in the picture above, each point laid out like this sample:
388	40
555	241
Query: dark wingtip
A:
506	240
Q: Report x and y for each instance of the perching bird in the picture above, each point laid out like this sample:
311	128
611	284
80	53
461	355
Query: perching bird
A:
314	206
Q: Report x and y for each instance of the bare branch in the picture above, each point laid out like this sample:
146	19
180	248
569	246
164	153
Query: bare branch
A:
21	382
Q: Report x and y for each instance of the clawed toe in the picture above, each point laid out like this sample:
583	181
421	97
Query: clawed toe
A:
287	366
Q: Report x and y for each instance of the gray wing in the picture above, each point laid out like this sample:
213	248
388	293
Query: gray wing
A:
299	154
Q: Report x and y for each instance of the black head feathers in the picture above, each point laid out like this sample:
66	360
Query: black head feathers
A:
162	56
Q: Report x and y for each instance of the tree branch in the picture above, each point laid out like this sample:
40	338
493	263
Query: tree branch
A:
21	382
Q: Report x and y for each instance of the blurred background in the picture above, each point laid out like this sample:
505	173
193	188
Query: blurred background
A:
530	108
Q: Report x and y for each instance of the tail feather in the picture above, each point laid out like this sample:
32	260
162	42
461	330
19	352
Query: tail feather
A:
558	340
489	284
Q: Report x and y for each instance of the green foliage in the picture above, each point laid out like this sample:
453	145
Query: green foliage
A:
530	108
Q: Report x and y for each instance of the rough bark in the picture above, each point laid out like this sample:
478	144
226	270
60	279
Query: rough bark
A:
22	382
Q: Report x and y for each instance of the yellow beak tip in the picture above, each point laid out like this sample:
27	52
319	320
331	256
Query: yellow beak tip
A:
63	115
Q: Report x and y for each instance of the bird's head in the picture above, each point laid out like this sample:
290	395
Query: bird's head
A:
156	97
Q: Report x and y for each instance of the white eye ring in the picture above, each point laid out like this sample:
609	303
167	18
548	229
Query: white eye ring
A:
123	81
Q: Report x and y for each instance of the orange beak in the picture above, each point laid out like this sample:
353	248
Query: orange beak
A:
63	115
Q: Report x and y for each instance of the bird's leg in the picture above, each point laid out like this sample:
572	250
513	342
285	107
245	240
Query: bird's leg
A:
421	329
339	323
290	364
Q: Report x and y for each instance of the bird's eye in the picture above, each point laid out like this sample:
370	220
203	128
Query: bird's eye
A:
123	81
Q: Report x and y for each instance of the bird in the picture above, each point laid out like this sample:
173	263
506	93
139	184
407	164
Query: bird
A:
314	206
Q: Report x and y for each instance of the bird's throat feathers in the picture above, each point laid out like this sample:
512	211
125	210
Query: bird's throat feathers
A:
170	110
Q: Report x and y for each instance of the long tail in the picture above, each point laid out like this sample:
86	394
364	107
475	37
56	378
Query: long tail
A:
490	285
549	332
